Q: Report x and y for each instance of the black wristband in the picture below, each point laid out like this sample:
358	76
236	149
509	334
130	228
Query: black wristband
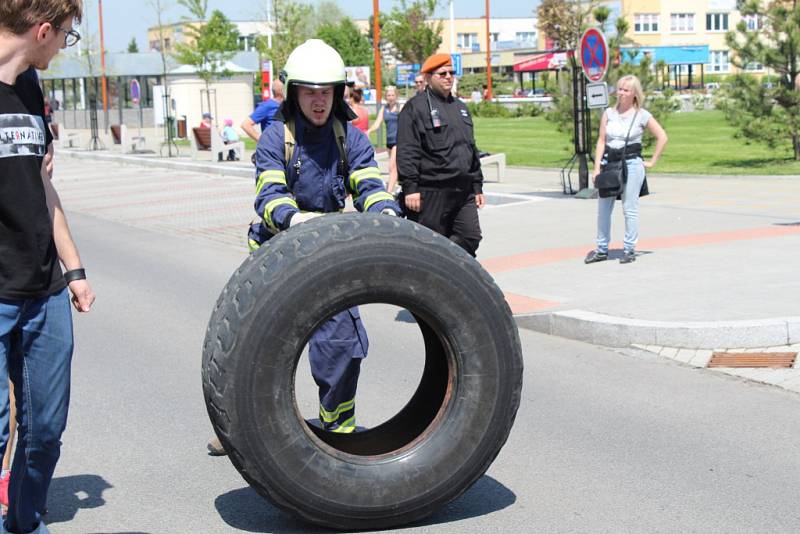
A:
75	274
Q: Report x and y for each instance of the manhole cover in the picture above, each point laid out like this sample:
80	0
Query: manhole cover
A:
753	359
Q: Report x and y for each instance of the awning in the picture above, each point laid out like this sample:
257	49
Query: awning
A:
544	61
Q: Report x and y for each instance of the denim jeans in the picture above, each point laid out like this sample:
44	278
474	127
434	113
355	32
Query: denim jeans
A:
630	208
36	353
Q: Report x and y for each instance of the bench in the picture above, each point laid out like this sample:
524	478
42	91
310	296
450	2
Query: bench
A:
209	140
498	161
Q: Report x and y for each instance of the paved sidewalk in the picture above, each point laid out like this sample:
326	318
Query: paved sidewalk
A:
717	255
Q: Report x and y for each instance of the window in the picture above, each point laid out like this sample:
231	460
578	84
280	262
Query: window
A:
645	23
716	22
526	36
754	67
247	42
681	22
466	40
718	61
494	36
753	22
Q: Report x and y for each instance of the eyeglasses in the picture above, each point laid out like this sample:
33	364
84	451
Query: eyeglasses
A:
71	37
444	73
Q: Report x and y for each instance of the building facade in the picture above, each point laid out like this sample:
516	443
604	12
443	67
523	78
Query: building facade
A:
658	23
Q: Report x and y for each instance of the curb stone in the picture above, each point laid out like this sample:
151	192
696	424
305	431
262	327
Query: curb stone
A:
601	329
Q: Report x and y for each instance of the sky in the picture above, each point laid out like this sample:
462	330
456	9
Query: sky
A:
121	22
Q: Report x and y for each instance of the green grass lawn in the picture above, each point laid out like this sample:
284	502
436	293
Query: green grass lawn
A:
699	143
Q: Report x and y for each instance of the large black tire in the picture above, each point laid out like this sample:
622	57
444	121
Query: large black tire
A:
439	444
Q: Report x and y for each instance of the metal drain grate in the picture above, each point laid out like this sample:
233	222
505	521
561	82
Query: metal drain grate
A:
780	360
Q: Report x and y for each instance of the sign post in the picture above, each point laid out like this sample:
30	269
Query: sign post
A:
266	79
593	55
457	64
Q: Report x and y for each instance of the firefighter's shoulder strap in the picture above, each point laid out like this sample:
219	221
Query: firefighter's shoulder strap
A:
338	132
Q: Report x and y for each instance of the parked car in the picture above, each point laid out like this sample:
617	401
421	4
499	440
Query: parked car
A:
712	86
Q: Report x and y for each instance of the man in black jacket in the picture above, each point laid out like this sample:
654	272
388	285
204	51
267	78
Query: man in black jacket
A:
437	160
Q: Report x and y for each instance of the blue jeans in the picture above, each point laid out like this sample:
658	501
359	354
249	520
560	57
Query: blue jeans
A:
36	354
630	208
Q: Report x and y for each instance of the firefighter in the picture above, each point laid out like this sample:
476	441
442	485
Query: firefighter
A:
307	162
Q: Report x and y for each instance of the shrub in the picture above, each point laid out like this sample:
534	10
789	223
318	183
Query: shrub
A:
488	109
529	109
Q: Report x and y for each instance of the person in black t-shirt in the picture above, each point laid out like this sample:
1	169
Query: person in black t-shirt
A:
35	320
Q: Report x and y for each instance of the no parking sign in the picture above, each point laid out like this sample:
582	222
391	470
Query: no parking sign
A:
594	55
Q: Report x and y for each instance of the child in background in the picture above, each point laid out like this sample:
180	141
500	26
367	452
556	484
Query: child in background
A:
229	135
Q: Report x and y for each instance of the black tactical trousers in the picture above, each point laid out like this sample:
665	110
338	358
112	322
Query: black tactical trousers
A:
453	214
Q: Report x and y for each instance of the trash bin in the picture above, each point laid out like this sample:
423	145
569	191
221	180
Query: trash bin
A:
181	128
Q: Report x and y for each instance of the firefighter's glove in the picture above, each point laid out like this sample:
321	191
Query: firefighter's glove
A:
301	217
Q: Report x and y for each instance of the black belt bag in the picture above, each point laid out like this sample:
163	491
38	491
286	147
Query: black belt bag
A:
611	181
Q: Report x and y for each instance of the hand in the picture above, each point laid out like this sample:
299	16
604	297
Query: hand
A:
480	200
594	176
82	295
301	217
48	161
414	202
649	164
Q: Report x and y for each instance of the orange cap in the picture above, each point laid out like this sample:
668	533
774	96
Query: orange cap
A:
436	61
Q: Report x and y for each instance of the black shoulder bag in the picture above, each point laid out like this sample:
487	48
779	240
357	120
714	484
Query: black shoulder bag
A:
611	181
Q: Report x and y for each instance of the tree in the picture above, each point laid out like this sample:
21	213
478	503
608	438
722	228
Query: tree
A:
133	47
160	6
660	103
563	21
347	39
294	24
328	12
210	45
770	115
411	34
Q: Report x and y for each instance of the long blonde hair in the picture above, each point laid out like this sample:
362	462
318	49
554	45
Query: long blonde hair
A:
634	85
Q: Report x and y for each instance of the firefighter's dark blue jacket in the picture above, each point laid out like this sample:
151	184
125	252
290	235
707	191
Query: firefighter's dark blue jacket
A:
312	180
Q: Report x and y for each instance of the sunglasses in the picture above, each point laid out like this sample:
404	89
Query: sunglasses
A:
444	73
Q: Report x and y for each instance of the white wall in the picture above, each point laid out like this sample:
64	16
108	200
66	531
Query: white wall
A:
234	99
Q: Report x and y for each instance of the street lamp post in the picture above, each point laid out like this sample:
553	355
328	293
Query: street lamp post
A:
488	55
376	49
102	62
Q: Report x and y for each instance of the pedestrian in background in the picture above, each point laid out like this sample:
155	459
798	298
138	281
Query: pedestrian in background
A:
207	121
356	99
419	83
264	112
389	114
36	337
627	120
437	160
229	135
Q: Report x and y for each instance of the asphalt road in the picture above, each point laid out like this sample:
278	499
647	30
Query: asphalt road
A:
604	441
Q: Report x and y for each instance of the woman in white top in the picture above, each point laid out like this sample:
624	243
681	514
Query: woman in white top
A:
627	116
